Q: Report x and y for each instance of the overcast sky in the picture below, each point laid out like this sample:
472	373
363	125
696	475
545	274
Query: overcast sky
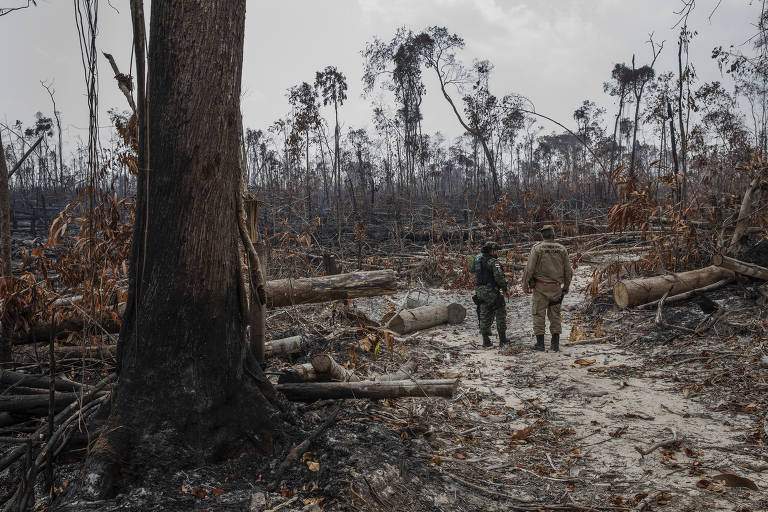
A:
555	52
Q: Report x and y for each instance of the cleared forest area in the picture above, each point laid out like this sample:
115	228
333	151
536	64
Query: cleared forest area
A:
200	315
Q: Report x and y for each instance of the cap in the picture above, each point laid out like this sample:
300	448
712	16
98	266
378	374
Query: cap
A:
547	227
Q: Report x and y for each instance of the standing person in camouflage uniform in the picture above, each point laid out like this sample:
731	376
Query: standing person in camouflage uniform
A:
491	283
548	275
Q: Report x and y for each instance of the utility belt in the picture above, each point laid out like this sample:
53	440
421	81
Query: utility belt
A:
547	282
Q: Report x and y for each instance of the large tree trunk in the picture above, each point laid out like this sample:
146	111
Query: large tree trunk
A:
284	292
633	292
5	215
5	243
189	390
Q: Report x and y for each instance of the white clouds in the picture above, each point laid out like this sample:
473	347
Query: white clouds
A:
557	52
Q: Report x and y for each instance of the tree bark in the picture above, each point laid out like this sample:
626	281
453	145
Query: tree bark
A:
188	382
411	320
741	267
285	292
369	389
634	292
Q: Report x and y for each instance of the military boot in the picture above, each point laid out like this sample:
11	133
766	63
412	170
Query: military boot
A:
555	344
502	337
486	340
539	346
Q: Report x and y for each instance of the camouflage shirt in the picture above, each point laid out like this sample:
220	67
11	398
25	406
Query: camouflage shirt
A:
497	271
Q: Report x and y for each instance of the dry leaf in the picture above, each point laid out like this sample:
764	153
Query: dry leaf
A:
522	433
732	480
581	362
313	466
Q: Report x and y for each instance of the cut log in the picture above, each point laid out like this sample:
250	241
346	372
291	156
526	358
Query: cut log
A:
411	320
285	346
369	389
298	373
328	369
404	373
633	292
687	295
36	381
741	267
285	292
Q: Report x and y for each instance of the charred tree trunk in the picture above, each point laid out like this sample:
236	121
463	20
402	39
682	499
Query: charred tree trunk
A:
189	390
5	215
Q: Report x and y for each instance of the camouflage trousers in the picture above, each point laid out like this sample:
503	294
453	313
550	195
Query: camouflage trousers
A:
490	308
543	295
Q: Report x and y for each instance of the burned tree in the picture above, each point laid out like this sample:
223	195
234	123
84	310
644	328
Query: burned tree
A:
182	342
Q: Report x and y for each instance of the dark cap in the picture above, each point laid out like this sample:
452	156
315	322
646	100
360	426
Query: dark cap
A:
490	245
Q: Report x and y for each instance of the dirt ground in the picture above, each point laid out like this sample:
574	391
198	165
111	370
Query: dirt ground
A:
614	425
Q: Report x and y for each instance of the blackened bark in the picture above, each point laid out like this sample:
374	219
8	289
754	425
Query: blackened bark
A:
189	390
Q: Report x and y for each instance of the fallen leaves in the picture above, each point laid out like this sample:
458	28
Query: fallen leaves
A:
734	480
582	362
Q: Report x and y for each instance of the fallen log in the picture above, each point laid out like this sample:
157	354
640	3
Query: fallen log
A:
687	295
405	372
632	292
36	381
298	373
741	267
411	320
19	403
368	389
62	329
285	346
285	292
328	369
